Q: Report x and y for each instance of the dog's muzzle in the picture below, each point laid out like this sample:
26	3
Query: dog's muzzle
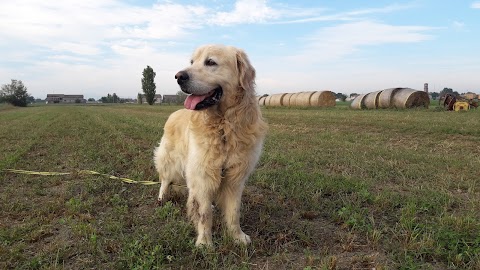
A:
196	101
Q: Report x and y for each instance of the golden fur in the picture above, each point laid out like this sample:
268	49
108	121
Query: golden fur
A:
213	151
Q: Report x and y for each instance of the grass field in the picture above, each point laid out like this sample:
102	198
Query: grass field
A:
334	189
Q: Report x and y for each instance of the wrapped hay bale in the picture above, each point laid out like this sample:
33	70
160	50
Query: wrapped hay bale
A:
287	99
357	103
277	99
303	98
409	98
385	98
323	99
371	100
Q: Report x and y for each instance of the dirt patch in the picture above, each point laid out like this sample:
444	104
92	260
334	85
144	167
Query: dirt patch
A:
285	236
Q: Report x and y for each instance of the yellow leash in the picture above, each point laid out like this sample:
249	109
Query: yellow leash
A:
125	180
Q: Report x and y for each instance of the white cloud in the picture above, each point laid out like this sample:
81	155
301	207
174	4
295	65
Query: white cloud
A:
475	5
76	48
121	74
334	42
347	16
459	26
92	23
246	11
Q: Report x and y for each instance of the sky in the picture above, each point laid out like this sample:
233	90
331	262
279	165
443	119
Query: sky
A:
95	47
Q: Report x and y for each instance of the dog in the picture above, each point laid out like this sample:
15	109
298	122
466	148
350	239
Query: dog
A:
214	143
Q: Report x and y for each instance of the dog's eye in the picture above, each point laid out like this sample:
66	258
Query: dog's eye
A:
210	62
191	62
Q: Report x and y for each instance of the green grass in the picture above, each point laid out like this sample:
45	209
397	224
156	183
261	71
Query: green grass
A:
334	189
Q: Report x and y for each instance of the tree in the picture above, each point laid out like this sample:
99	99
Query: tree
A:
30	99
91	99
448	91
340	96
434	95
111	99
181	96
115	98
148	84
14	93
139	98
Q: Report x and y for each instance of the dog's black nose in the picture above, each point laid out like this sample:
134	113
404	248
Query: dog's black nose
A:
182	77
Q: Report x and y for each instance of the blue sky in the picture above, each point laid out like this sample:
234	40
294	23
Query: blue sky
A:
95	47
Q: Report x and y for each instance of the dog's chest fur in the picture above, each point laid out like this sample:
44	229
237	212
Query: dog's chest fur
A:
224	143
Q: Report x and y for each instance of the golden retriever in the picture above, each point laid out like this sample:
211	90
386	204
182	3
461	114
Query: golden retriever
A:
213	144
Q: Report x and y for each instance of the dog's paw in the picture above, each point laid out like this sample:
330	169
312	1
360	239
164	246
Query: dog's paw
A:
242	238
160	202
203	243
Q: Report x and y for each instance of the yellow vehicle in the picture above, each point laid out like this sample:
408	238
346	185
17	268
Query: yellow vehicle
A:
461	106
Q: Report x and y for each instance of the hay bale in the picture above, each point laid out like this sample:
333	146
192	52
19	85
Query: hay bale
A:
357	103
371	100
267	100
385	98
303	98
323	98
277	99
287	99
261	101
293	99
409	98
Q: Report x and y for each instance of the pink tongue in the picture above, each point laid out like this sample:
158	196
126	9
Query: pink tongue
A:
193	100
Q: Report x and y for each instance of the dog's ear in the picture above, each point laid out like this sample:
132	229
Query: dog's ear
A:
245	70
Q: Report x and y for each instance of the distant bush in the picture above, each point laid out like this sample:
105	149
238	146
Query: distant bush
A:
14	93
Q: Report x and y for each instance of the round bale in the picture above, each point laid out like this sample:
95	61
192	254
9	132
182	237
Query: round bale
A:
267	100
277	99
385	98
357	103
323	98
406	98
293	99
261	101
371	100
303	98
287	99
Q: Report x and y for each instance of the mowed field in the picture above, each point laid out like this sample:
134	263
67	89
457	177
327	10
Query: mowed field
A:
334	189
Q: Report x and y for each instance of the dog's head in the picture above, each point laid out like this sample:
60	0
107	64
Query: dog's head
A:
217	74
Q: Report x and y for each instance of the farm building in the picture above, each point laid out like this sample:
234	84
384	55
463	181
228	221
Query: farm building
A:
470	96
400	98
158	98
61	98
170	98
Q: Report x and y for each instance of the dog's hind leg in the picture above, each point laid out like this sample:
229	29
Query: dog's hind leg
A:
167	171
164	190
168	177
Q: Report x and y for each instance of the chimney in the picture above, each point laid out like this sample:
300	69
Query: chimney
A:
425	87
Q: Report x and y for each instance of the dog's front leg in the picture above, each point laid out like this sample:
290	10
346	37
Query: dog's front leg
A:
199	207
230	203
